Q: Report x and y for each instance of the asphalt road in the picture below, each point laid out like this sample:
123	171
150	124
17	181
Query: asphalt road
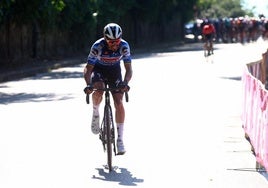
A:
182	129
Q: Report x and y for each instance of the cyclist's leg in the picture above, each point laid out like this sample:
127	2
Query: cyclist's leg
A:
115	78
210	46
119	107
96	98
120	119
97	79
209	43
97	95
205	45
205	42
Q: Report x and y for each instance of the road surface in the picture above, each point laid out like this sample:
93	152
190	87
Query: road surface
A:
182	129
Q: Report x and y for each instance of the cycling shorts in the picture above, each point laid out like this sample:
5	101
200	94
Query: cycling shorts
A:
110	75
208	37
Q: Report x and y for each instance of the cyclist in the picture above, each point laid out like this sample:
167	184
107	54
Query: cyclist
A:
208	32
103	63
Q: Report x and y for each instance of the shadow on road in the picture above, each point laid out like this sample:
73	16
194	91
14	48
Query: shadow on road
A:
30	97
261	171
264	174
238	78
59	75
121	175
8	97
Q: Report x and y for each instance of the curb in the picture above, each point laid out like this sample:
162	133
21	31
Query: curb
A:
28	72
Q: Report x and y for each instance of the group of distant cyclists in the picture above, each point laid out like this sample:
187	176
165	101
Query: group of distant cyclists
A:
230	30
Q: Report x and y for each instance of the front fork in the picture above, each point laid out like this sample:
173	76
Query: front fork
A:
103	133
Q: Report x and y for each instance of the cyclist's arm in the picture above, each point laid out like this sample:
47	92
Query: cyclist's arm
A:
128	73
87	73
91	60
125	50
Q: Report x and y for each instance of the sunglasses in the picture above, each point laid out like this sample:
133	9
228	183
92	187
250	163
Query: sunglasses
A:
116	41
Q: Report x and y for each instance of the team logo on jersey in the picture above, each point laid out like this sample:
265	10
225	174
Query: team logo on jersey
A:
94	52
110	60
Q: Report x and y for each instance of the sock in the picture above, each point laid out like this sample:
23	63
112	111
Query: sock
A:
95	110
120	130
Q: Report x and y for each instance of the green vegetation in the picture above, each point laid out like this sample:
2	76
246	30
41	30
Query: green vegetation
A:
221	8
38	29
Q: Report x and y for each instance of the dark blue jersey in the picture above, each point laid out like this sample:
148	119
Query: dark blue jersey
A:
100	55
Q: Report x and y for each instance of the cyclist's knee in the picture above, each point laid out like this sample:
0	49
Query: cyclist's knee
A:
97	94
119	107
118	102
97	97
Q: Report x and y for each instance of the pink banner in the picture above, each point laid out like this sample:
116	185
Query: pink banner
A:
255	114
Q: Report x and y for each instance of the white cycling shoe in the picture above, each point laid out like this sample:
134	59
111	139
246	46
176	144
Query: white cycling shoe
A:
120	147
95	124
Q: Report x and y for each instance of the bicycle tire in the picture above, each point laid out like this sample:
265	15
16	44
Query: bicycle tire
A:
107	116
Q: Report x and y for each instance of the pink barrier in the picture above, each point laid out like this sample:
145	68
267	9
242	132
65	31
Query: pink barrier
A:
255	112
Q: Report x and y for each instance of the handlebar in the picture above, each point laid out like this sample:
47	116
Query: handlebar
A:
107	90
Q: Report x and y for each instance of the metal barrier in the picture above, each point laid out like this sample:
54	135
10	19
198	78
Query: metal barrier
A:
255	108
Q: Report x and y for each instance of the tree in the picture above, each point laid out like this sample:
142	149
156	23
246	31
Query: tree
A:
220	8
46	28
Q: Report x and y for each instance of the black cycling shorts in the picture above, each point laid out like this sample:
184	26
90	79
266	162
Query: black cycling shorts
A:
209	37
110	74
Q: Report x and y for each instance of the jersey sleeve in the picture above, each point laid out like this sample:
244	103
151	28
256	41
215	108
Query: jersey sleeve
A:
125	51
93	54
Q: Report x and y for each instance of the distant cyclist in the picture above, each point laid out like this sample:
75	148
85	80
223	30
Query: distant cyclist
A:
208	32
103	64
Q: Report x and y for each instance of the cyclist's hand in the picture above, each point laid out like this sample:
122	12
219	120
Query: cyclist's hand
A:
123	86
88	89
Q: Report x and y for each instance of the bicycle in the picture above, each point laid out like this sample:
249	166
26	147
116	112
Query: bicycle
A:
208	48
107	131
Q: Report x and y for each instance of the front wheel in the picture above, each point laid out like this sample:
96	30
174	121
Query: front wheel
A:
108	122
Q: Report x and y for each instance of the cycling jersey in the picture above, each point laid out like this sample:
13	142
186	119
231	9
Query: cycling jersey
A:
101	56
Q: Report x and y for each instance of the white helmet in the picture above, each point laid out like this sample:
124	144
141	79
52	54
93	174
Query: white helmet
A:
112	31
